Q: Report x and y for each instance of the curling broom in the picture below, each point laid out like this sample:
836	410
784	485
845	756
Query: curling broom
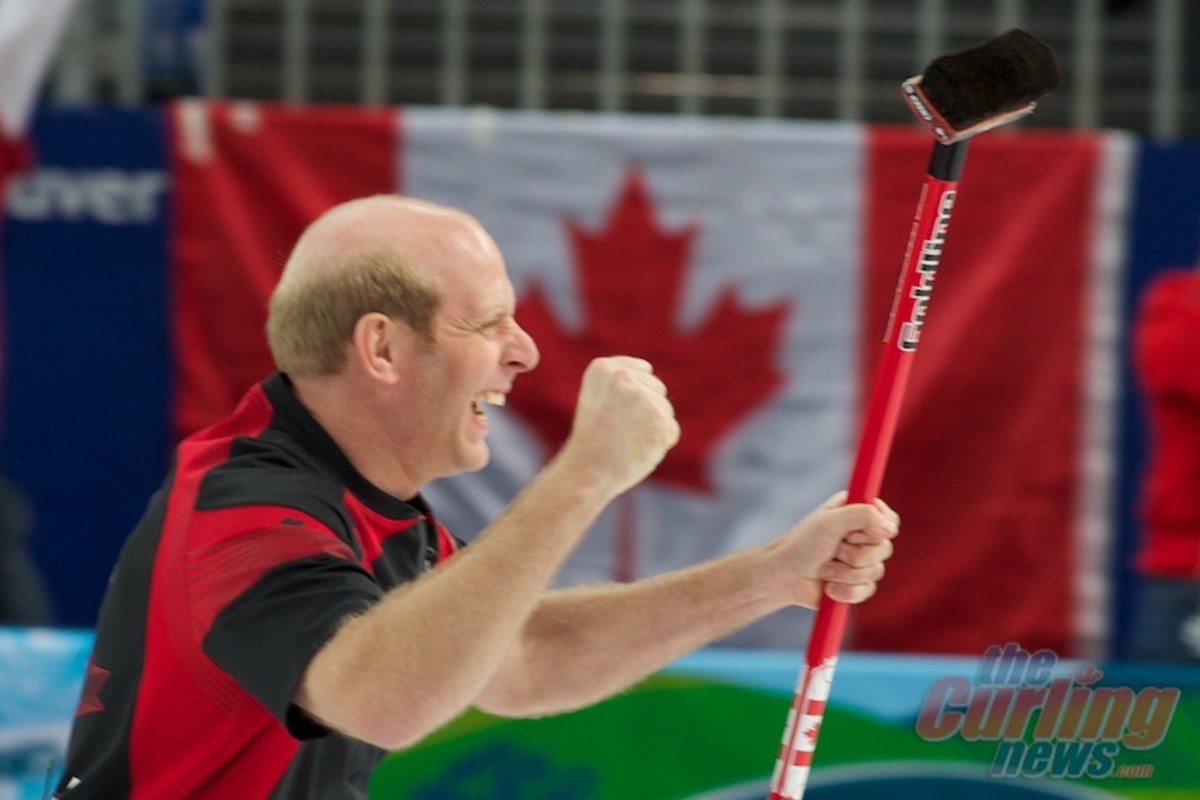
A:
956	97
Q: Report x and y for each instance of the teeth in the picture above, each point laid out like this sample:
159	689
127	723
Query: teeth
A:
491	398
488	398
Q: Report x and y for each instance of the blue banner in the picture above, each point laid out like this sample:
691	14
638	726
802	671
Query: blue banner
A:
1164	234
86	347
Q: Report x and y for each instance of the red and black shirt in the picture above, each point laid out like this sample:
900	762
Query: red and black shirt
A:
261	541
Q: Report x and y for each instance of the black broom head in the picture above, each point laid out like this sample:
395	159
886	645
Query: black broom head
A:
964	93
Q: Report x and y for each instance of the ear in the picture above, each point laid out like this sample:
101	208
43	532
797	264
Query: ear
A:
377	346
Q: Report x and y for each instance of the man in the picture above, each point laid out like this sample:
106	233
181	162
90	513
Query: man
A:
1166	352
275	623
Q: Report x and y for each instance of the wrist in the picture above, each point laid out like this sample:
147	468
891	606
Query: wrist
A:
773	581
589	478
575	483
783	578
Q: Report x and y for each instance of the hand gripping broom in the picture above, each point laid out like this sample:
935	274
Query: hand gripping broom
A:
957	96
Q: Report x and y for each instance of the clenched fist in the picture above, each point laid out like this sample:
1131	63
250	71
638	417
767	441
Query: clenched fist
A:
624	424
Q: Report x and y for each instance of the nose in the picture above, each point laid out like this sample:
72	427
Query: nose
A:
522	354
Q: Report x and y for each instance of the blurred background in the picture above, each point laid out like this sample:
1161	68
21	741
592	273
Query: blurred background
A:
1127	63
742	174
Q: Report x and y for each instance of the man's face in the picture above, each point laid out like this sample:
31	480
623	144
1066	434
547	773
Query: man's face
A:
477	353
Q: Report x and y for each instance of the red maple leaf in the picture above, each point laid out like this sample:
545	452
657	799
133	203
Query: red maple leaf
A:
93	684
811	732
630	277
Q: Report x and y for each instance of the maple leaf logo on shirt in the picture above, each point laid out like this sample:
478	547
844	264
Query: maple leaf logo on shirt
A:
630	276
93	684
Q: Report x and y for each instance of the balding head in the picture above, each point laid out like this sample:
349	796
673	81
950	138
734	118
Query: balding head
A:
376	254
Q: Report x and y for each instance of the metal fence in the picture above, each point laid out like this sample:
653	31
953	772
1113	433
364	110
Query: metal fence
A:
1127	64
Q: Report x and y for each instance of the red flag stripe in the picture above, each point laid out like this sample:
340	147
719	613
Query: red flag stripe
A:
248	178
984	460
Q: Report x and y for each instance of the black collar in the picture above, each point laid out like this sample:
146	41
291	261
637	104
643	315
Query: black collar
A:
293	417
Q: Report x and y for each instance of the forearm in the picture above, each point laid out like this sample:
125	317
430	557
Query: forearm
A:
420	656
584	644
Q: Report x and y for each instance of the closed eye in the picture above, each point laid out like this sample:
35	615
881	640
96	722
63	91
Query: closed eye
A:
493	325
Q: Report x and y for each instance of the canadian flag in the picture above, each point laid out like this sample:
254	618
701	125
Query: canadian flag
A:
754	264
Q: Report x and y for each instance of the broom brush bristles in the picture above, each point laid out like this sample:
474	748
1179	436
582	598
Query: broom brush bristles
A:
961	94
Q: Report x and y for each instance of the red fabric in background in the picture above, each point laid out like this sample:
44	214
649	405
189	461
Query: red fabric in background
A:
1166	353
247	179
986	551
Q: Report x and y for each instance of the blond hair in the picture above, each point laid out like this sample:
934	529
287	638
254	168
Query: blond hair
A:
310	322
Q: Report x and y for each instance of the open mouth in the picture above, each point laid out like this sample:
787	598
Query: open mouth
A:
486	398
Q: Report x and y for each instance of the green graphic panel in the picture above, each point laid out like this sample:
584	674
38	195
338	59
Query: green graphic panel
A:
678	736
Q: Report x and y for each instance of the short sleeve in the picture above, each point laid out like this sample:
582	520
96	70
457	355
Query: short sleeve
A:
264	602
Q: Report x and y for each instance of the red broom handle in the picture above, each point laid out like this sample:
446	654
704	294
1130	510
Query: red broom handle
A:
879	427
